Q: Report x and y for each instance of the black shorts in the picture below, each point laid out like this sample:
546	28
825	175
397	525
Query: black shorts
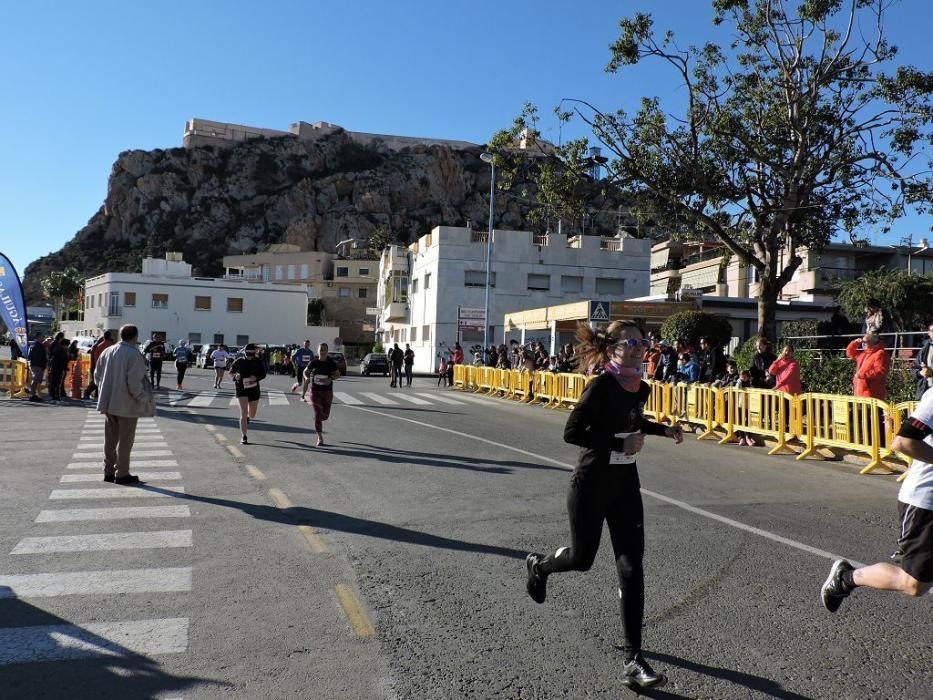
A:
251	394
915	541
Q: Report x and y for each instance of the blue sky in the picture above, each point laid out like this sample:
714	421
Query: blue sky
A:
81	82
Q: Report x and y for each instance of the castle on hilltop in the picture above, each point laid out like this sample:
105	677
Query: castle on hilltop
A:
202	132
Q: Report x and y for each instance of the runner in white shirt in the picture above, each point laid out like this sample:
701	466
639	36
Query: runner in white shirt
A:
219	357
914	576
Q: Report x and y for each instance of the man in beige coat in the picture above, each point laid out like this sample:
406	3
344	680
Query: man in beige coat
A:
124	396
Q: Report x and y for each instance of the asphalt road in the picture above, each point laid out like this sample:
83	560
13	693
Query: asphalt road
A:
389	564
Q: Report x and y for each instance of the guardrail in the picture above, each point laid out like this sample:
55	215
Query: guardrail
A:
16	377
813	421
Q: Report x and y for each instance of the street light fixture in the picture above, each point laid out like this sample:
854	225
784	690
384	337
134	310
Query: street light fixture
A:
488	158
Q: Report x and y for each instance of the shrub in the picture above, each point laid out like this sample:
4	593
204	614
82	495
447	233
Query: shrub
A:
378	347
690	326
743	356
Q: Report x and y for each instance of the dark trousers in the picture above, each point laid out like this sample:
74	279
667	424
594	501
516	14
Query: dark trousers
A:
321	402
119	436
609	493
408	369
182	368
56	377
155	373
396	375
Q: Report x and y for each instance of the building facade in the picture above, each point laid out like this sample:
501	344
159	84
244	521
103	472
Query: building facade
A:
165	299
432	293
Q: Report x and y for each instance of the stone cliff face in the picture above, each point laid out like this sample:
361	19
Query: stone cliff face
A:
211	201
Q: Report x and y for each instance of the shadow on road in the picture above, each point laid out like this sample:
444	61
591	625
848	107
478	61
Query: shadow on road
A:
408	458
107	670
390	454
338	522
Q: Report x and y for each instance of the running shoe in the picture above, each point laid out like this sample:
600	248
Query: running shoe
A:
638	672
244	441
834	590
127	480
536	584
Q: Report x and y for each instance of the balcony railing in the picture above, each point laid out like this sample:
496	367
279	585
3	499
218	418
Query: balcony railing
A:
540	239
479	236
611	244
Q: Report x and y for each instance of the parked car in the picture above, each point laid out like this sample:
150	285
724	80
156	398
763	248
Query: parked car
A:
203	359
340	360
85	344
375	362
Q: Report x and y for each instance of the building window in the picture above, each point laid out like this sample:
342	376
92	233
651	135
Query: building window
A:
343	272
343	292
610	285
404	335
114	309
362	293
160	301
218	338
280	272
242	340
304	271
194	337
202	303
571	283
539	283
427	281
364	272
291	272
90	301
425	334
414	285
234	305
129	298
414	333
477	278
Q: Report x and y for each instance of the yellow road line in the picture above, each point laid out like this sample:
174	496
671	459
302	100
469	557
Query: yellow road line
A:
317	546
255	472
235	451
219	438
210	428
354	611
280	499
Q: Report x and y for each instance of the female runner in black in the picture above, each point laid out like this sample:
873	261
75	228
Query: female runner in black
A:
321	373
608	424
246	373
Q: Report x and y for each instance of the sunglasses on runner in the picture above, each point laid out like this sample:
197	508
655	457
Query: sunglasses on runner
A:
634	342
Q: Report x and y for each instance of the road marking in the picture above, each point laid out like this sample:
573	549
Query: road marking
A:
97	463
160	442
101	421
442	399
210	428
280	499
174	397
114	492
125	513
658	496
255	472
235	401
379	398
136	453
354	611
413	399
156	539
317	546
145	476
235	451
65	642
95	582
347	399
220	438
92	433
203	400
473	399
277	398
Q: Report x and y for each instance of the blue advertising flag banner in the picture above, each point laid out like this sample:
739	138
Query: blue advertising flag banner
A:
12	308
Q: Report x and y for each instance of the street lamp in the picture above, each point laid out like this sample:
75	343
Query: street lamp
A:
487	158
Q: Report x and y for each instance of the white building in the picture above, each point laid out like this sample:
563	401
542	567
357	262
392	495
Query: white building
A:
422	287
166	299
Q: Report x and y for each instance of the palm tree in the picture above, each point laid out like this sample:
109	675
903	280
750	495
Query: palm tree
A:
61	288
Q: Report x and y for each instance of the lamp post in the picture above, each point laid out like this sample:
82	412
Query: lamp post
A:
487	158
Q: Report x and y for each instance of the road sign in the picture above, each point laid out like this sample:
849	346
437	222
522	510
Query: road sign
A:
599	311
473	314
372	310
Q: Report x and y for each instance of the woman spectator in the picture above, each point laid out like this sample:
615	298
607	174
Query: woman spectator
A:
872	364
761	362
786	372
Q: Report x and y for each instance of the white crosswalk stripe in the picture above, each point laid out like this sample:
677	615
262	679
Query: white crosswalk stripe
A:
442	399
114	492
98	434
379	398
412	399
92	543
203	400
125	513
145	476
150	443
174	397
277	398
97	463
108	639
95	582
347	399
135	452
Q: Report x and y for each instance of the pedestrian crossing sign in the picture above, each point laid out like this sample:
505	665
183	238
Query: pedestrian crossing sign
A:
599	311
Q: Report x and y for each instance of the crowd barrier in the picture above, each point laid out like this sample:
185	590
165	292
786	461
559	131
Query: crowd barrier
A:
809	422
16	377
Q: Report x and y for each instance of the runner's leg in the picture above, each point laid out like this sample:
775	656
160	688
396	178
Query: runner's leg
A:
244	413
625	518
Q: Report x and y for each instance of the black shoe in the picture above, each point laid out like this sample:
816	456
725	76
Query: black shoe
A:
244	441
536	585
834	591
127	480
109	478
637	673
35	398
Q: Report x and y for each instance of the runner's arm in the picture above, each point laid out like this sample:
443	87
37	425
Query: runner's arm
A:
910	440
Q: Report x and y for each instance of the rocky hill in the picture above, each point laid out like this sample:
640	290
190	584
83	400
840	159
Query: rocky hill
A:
210	201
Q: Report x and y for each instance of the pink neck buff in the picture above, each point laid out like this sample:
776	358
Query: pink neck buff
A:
629	378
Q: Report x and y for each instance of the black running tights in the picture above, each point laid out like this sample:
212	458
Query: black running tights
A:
611	494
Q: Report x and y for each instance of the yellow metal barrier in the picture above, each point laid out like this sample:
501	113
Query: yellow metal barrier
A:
898	413
659	402
484	379
545	387
519	383
846	422
8	376
460	375
701	408
759	412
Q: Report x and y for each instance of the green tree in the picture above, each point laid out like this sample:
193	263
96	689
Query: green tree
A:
61	289
791	134
690	326
381	237
907	298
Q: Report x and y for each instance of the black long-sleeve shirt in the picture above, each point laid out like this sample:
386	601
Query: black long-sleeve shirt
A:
604	409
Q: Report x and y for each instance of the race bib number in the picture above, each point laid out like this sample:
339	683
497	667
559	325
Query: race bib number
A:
321	380
156	356
250	382
621	457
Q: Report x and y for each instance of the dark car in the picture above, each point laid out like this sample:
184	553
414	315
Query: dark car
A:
340	360
375	362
